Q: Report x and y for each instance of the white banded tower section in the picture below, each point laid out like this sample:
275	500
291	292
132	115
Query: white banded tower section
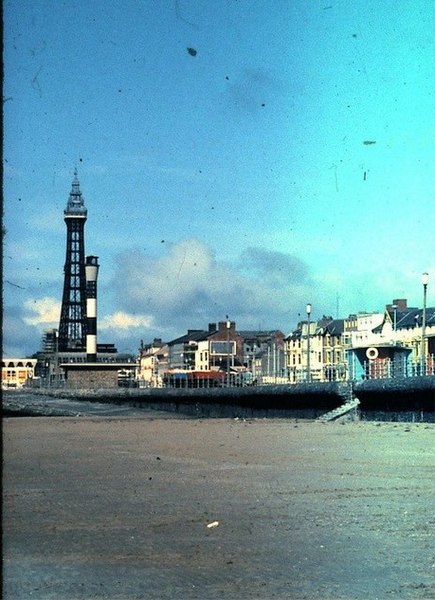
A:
91	270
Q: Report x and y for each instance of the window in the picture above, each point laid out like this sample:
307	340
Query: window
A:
222	347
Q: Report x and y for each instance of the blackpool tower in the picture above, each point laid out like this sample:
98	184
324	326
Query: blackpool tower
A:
72	326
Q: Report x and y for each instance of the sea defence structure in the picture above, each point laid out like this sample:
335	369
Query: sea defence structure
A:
397	394
332	400
301	401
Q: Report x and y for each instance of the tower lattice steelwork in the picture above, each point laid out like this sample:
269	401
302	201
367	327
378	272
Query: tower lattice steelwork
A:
72	326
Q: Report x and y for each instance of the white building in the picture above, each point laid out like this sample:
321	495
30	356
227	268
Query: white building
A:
363	336
153	364
17	372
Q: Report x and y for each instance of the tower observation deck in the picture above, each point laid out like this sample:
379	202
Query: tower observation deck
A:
72	326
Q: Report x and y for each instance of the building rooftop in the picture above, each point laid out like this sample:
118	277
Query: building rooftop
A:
409	318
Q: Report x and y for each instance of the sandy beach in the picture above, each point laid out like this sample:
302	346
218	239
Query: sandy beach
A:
172	509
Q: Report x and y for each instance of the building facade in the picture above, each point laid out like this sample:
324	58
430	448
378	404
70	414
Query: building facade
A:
153	364
401	344
396	343
245	357
17	372
214	349
304	352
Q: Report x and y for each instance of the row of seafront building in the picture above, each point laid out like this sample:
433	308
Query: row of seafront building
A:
391	343
399	341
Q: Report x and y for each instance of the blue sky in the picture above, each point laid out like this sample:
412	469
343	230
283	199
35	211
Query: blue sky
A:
237	181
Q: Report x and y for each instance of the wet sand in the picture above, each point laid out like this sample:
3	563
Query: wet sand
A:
118	508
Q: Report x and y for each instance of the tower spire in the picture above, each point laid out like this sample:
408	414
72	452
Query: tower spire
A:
75	203
72	326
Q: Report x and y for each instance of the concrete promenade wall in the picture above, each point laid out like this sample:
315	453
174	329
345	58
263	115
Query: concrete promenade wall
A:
301	401
408	393
313	395
415	394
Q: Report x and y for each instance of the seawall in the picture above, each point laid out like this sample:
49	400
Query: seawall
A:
300	401
398	394
395	399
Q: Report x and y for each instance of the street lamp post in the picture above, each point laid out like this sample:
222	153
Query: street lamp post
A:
308	343
394	363
425	281
56	358
394	307
228	351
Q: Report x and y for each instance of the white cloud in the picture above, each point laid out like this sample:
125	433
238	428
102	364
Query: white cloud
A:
44	312
188	287
24	323
121	321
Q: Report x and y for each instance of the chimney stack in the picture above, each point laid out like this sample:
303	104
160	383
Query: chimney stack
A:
91	269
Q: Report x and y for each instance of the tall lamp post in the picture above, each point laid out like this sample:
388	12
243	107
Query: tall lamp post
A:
308	343
425	281
228	351
56	358
394	307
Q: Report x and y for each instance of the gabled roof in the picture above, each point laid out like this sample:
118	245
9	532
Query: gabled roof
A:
335	327
414	317
193	335
294	335
408	319
259	333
